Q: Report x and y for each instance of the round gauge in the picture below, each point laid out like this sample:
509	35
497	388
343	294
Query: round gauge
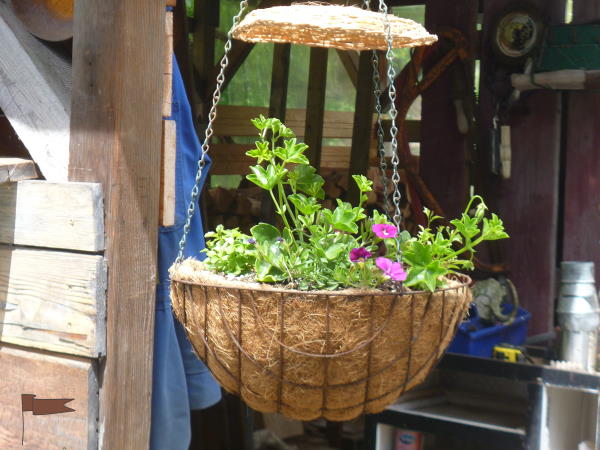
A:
517	33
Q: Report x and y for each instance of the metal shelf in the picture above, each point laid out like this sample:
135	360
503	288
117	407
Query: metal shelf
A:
522	372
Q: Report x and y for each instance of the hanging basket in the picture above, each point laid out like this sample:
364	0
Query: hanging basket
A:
330	354
333	26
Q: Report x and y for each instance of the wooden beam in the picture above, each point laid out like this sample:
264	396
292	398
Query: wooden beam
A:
349	60
115	139
167	178
279	81
56	215
168	66
315	104
16	169
206	22
237	55
53	300
363	130
34	95
229	159
47	376
235	121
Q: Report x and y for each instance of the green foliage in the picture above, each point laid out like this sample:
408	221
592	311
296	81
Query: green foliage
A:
318	248
229	251
434	254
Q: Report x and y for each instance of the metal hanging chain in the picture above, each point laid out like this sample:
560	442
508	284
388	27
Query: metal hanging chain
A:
391	75
209	132
380	134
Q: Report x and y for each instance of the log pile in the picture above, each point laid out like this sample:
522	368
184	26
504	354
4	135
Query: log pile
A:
243	207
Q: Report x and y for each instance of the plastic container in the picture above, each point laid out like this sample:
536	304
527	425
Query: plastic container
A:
478	339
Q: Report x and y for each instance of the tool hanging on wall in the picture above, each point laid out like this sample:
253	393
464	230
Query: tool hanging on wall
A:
500	148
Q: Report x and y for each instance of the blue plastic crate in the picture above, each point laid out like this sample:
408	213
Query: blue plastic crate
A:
476	339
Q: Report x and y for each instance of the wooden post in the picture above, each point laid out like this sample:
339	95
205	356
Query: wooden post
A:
115	139
279	81
315	104
277	105
206	19
363	117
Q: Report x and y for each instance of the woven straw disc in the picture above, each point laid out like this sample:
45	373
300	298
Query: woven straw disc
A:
335	26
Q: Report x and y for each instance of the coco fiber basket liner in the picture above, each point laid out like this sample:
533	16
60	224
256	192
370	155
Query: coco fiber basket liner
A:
331	354
334	26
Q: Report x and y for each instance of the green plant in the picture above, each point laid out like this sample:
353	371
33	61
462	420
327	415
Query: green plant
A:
318	248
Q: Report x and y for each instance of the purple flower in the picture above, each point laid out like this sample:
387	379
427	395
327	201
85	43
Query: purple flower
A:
392	269
359	254
251	241
279	239
384	231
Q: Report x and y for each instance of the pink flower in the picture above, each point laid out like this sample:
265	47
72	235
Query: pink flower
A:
392	269
359	254
384	231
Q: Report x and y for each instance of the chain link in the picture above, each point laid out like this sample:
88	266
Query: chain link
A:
380	133
391	77
208	133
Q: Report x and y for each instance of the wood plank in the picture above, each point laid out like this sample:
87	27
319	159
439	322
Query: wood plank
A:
168	66
167	180
206	22
47	376
55	215
16	169
315	104
363	120
35	95
115	139
229	159
235	121
349	60
279	81
528	201
581	215
53	300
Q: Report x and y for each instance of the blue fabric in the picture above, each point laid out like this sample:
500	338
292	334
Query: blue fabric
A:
181	382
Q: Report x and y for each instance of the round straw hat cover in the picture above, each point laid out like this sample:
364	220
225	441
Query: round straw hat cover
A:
334	26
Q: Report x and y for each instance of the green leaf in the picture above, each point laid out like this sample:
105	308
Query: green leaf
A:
264	232
343	218
292	152
363	183
418	254
264	178
306	206
259	122
467	226
266	273
304	179
334	251
493	229
261	152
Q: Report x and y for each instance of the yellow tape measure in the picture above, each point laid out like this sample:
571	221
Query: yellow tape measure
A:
508	353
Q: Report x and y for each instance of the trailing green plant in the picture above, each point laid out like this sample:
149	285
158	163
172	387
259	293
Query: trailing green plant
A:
319	248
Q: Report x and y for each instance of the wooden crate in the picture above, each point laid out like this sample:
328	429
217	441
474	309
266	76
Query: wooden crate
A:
47	376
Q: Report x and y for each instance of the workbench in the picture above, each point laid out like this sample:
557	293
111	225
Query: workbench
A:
490	404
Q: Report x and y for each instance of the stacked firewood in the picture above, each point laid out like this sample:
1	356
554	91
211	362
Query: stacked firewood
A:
247	205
